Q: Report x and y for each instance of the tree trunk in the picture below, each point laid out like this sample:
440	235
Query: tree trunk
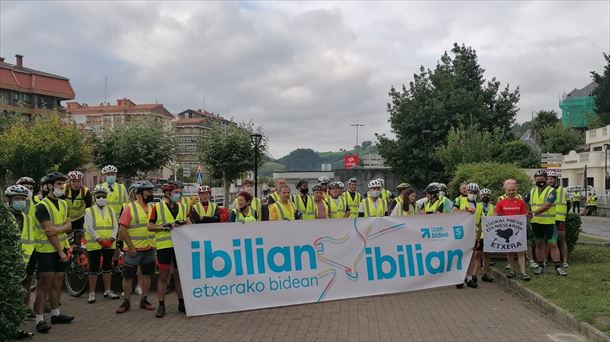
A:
225	185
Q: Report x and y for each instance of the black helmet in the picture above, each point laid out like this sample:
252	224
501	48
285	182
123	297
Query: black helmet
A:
301	181
141	185
432	189
176	183
540	173
53	177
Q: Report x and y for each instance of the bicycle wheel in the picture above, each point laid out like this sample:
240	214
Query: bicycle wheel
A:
76	277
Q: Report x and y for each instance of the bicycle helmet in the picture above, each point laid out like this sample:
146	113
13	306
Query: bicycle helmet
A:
25	180
108	169
53	177
540	173
141	185
16	190
473	187
551	173
485	192
403	186
432	188
168	187
204	188
323	180
352	181
99	189
75	175
341	185
177	183
381	180
301	182
375	183
317	187
442	186
334	185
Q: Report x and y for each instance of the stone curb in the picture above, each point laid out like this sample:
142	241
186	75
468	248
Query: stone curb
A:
593	243
555	312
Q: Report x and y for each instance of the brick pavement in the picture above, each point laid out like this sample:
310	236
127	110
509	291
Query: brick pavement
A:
488	313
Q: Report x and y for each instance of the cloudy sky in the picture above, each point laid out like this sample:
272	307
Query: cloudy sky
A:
304	71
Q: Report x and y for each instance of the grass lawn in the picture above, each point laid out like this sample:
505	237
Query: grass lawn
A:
591	238
585	292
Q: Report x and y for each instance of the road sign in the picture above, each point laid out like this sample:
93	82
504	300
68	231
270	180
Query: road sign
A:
199	178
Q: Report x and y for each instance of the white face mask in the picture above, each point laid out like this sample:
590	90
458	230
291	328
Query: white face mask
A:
472	197
375	194
58	192
100	201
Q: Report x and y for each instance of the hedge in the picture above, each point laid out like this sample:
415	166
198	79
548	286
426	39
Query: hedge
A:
489	175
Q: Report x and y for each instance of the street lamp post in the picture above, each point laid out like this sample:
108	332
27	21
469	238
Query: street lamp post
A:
256	138
607	178
356	125
425	134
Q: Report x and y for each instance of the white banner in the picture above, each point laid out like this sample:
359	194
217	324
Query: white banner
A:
232	266
504	233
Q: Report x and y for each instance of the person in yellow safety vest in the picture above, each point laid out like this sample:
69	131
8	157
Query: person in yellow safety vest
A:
323	181
561	212
507	182
51	244
373	205
443	195
283	209
117	193
165	216
78	198
576	202
140	243
398	200
432	204
470	205
352	197
275	195
321	208
461	202
484	208
406	206
243	212
29	184
303	202
337	205
204	211
591	204
17	198
183	202
385	193
101	229
43	191
541	199
256	204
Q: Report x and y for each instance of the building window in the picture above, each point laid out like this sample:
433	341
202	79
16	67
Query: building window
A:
599	148
590	181
22	98
5	96
565	182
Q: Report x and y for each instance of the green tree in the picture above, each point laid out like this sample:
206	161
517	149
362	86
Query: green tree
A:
454	93
228	153
489	175
467	145
542	120
12	269
301	159
47	144
136	147
560	139
602	93
519	153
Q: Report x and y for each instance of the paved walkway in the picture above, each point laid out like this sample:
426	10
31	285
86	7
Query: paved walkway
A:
596	225
488	313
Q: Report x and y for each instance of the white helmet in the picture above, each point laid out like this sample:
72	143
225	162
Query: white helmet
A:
485	192
472	187
375	183
108	169
381	180
16	190
323	180
551	173
341	185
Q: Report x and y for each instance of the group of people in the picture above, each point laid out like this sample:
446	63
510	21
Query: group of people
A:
112	217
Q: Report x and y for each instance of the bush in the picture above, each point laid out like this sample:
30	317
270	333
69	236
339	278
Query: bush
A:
12	269
489	175
573	223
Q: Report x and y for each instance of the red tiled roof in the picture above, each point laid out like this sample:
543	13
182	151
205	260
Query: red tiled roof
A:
123	106
32	81
189	121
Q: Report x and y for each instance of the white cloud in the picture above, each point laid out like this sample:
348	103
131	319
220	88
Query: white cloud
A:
304	70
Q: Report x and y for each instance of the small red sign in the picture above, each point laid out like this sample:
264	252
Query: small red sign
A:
350	160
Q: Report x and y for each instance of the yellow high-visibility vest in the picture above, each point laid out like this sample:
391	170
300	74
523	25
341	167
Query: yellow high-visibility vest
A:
537	199
308	210
370	210
58	218
353	204
336	210
163	238
115	198
103	226
561	204
137	230
200	210
76	207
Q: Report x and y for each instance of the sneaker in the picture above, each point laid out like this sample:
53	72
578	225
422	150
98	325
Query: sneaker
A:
539	270
110	295
125	306
160	311
22	335
507	267
138	290
30	315
561	272
487	278
565	265
144	304
61	319
472	283
43	327
459	286
181	307
510	274
91	299
533	265
525	277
